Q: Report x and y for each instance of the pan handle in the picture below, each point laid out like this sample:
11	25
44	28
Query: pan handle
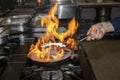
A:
84	38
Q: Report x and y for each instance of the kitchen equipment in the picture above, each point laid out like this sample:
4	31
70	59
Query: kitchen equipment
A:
81	40
3	39
36	20
66	9
1	19
63	1
17	23
4	34
65	69
53	63
84	38
6	52
35	25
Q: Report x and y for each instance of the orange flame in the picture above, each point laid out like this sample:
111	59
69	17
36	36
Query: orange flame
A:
53	52
39	1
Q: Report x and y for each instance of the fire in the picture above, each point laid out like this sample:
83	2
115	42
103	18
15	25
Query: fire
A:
53	52
38	1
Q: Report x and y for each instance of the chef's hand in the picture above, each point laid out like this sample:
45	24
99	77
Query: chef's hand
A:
97	31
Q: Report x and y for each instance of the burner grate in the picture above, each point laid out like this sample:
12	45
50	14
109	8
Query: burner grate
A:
52	75
64	72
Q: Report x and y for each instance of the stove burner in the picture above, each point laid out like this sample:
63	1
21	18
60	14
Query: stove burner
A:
67	71
70	70
9	48
6	53
52	75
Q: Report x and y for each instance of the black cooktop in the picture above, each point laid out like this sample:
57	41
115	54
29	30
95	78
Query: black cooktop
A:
19	67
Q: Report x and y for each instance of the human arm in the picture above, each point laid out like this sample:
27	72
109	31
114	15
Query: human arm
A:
116	25
97	31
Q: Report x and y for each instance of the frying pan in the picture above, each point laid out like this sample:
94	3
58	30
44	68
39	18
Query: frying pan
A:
55	63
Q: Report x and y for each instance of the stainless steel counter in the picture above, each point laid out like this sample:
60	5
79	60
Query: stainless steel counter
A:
104	57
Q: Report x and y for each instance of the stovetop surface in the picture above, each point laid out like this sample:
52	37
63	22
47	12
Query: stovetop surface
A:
18	61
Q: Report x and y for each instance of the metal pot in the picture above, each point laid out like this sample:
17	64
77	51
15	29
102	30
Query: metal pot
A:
35	24
66	9
17	23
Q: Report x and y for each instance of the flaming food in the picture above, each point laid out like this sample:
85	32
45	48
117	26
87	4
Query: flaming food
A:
53	51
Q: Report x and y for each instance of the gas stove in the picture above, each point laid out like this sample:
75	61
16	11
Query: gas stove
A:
65	72
77	68
9	48
70	70
6	53
67	69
